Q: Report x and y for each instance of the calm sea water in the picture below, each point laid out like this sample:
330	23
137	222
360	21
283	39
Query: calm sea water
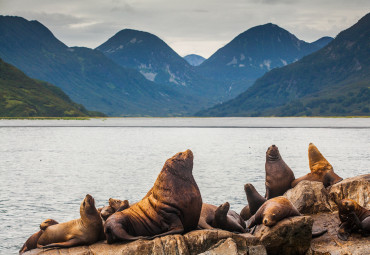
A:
48	166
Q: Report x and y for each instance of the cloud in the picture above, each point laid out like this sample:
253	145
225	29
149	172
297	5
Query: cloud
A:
192	26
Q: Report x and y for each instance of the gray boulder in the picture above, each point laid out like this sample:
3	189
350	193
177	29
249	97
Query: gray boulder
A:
309	197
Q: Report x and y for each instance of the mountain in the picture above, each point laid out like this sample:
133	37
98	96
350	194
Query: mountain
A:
21	96
194	60
158	62
253	53
323	41
330	82
86	75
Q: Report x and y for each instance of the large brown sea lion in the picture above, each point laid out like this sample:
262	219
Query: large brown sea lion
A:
354	218
31	242
220	217
273	211
83	231
279	176
255	200
321	169
173	206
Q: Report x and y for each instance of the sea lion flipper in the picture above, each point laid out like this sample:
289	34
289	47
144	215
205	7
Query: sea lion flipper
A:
252	222
174	231
69	243
344	231
319	233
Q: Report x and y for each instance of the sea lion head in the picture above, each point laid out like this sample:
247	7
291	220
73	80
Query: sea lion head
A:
221	211
181	161
47	223
249	188
317	161
346	206
270	219
106	212
88	206
118	204
272	153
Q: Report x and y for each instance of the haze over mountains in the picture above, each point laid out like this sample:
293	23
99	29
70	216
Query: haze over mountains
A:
194	60
332	81
135	73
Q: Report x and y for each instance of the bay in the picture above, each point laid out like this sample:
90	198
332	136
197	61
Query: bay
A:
48	166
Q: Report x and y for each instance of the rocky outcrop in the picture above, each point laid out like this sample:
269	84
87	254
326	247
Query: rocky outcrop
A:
309	197
330	244
355	188
290	236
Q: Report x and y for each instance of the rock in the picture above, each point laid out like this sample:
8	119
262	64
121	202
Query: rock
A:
227	246
355	188
194	242
309	197
290	236
330	244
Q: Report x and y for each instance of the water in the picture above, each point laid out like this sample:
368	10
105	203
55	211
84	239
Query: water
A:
48	166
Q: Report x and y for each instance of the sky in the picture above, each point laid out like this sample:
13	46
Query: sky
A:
188	26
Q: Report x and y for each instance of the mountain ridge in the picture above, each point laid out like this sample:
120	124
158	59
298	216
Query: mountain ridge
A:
332	81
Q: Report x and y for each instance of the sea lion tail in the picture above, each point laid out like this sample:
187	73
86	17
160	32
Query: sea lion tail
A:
319	233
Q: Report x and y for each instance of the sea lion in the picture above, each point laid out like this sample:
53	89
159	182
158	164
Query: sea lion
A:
273	211
172	207
31	242
279	176
220	217
354	218
83	231
255	200
321	169
115	205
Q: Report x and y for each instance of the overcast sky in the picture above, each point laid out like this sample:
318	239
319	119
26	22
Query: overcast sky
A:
188	26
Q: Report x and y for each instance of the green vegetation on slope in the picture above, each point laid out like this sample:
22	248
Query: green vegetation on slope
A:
21	96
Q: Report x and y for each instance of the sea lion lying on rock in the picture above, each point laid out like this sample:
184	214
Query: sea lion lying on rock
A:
31	242
255	200
273	211
220	217
354	218
279	176
321	169
172	207
115	205
83	231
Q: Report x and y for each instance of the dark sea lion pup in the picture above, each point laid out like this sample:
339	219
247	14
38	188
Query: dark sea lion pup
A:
228	220
31	242
83	231
115	205
220	217
354	218
321	169
279	176
172	207
255	200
